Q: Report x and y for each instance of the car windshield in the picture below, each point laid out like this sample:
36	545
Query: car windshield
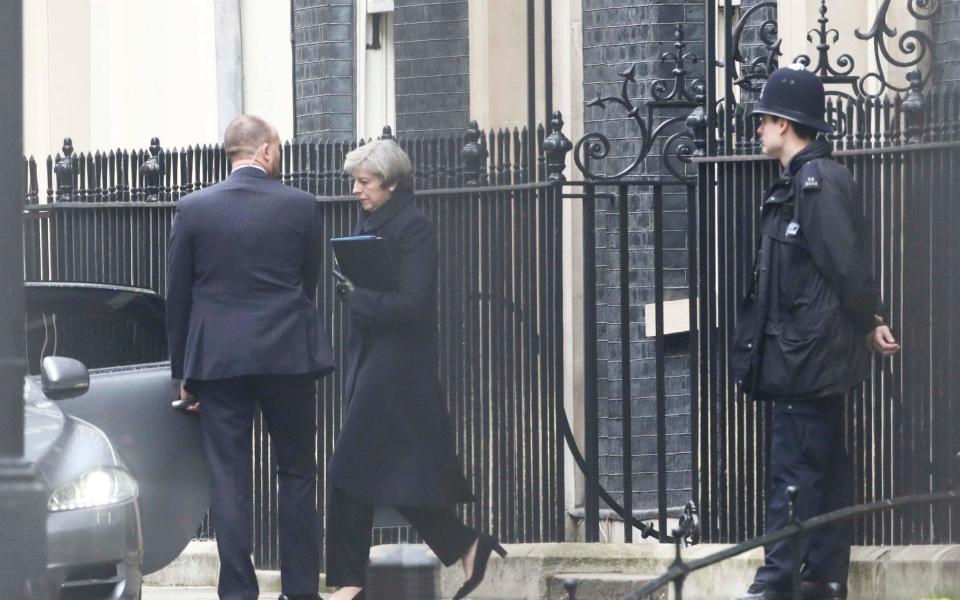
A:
99	326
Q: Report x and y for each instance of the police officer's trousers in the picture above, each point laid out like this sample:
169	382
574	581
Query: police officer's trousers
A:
807	451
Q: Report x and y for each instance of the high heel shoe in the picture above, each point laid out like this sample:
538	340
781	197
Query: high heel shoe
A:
486	544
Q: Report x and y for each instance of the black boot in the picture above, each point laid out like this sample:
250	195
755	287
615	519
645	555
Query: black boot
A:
823	590
760	591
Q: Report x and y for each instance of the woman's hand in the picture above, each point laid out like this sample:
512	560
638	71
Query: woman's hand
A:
345	287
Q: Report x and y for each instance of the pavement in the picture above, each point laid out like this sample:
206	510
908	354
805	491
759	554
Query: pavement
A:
189	593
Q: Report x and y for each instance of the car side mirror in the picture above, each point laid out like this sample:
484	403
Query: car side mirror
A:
63	378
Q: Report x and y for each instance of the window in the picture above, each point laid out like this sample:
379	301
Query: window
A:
98	326
376	100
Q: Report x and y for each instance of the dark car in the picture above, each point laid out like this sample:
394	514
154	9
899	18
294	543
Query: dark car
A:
125	472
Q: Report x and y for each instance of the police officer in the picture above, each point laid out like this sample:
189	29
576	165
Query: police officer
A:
809	320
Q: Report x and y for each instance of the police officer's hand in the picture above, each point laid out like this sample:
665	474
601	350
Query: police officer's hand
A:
344	286
881	341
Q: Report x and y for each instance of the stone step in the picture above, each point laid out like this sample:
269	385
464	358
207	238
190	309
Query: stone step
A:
599	586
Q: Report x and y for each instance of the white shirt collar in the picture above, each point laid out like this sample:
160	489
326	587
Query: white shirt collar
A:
253	165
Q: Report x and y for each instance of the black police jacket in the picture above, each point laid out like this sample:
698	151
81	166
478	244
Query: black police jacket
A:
802	326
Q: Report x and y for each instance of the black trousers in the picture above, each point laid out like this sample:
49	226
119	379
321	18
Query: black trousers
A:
350	523
288	405
807	451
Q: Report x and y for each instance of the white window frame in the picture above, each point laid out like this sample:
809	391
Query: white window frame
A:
365	8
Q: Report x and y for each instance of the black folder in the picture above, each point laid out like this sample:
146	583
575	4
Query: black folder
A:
365	260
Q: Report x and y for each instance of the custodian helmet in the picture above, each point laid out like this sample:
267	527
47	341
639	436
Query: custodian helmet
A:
794	94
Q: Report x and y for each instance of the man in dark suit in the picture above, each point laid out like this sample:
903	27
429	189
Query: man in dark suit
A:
244	331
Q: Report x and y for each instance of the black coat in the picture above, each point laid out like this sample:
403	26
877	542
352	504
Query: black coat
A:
396	446
802	326
242	268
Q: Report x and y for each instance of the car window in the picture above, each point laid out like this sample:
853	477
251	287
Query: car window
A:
100	329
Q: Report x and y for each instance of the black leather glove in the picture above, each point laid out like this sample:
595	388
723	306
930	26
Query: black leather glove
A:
344	286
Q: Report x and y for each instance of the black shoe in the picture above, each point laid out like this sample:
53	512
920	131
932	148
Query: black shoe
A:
300	597
486	544
760	591
823	590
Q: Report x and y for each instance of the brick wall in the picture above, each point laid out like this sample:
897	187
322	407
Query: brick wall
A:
616	35
946	34
432	66
323	33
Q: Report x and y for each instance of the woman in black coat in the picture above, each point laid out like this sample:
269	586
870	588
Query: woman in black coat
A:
396	447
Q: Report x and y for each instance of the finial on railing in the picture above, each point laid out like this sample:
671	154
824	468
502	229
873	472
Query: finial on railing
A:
472	154
151	171
697	122
387	133
915	99
689	524
913	106
556	147
66	172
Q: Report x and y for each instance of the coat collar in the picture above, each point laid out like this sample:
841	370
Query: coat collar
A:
251	172
781	189
818	148
370	222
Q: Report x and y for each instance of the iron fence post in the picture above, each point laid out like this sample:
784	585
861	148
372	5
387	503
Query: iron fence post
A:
913	106
556	147
472	154
679	534
660	343
626	399
590	408
570	587
151	171
66	171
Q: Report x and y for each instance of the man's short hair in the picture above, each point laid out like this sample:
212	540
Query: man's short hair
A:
384	159
245	134
804	132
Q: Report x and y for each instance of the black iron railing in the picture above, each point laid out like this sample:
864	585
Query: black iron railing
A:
681	569
106	219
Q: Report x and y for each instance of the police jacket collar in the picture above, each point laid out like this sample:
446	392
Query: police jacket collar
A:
781	190
818	148
370	222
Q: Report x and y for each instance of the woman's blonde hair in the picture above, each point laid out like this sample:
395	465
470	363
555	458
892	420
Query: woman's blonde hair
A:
384	159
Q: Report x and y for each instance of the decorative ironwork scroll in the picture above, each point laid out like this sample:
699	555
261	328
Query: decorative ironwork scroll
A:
755	72
678	92
914	45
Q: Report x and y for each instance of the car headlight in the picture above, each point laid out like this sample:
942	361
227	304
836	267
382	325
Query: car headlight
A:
99	487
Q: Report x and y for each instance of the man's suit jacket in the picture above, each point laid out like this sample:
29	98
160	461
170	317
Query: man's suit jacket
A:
242	267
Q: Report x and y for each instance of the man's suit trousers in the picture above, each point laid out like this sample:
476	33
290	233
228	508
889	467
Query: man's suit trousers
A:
349	525
288	405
